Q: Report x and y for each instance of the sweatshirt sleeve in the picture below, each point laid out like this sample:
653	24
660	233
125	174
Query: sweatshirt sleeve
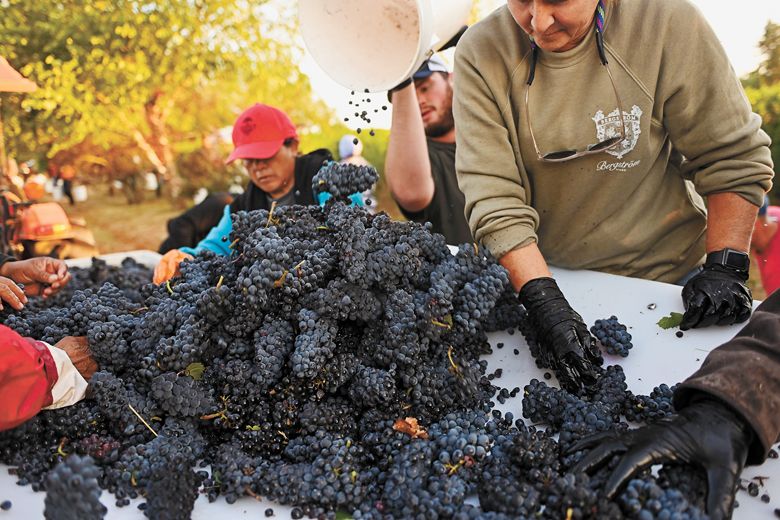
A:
497	209
706	112
742	373
27	375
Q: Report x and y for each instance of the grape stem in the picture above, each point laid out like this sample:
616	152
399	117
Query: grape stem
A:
60	451
455	368
141	419
271	219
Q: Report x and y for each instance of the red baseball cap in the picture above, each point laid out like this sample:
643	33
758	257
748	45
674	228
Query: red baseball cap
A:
259	132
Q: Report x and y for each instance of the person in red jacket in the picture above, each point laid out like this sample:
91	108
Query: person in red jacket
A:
765	246
35	375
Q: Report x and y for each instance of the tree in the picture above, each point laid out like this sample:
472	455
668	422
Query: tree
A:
770	48
762	86
765	101
154	74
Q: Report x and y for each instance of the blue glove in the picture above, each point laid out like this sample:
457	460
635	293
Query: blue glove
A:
356	198
218	239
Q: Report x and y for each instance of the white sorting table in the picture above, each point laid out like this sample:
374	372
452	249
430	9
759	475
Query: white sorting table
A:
658	357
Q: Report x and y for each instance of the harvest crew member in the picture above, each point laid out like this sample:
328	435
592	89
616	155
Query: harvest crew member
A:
578	124
35	375
765	246
728	416
267	141
420	161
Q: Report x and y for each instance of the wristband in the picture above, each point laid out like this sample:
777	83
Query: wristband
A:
405	83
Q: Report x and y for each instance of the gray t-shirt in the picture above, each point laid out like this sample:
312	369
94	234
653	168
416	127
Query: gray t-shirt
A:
284	200
446	210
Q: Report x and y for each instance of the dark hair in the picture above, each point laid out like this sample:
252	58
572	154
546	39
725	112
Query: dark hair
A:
289	141
441	73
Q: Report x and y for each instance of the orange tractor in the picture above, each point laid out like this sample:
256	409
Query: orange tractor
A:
31	228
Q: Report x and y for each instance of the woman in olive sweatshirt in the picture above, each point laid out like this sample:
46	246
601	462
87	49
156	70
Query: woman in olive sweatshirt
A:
590	134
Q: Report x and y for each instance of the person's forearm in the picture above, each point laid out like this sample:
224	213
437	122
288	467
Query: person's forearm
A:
743	374
27	375
730	220
5	269
407	167
525	264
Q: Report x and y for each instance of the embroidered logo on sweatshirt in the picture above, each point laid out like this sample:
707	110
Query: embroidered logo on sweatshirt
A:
608	126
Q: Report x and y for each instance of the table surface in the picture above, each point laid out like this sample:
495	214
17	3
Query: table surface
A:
658	356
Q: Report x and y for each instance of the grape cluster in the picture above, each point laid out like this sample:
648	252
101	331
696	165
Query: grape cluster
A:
613	336
649	408
342	180
72	491
646	499
331	362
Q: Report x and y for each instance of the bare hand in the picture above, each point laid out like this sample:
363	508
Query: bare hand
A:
12	294
78	351
41	276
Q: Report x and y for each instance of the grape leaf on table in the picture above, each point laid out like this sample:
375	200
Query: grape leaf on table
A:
669	322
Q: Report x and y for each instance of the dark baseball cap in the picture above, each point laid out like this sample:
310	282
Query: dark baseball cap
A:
429	66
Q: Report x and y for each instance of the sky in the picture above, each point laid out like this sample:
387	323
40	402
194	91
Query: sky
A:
739	29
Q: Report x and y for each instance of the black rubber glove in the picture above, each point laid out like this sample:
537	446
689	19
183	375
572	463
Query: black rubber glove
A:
564	340
717	295
707	433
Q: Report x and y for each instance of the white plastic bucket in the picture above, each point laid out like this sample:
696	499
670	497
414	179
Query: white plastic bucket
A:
150	181
80	193
56	192
376	44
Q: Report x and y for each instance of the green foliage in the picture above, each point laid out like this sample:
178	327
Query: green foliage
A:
203	168
195	371
762	86
765	100
770	47
157	76
669	322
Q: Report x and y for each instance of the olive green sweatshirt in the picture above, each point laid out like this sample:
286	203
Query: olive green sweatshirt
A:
629	210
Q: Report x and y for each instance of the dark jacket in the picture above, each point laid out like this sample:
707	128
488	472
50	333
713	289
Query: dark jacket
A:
193	225
306	167
744	373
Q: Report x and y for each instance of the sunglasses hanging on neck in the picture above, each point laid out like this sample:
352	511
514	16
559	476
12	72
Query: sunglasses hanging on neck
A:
607	144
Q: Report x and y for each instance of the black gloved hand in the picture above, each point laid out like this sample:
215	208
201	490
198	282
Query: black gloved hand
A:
717	295
452	42
707	433
405	83
565	342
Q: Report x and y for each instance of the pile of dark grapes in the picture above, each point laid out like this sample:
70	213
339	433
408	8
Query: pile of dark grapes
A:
331	362
613	336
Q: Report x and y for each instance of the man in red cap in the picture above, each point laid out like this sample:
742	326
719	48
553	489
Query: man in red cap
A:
267	142
35	375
